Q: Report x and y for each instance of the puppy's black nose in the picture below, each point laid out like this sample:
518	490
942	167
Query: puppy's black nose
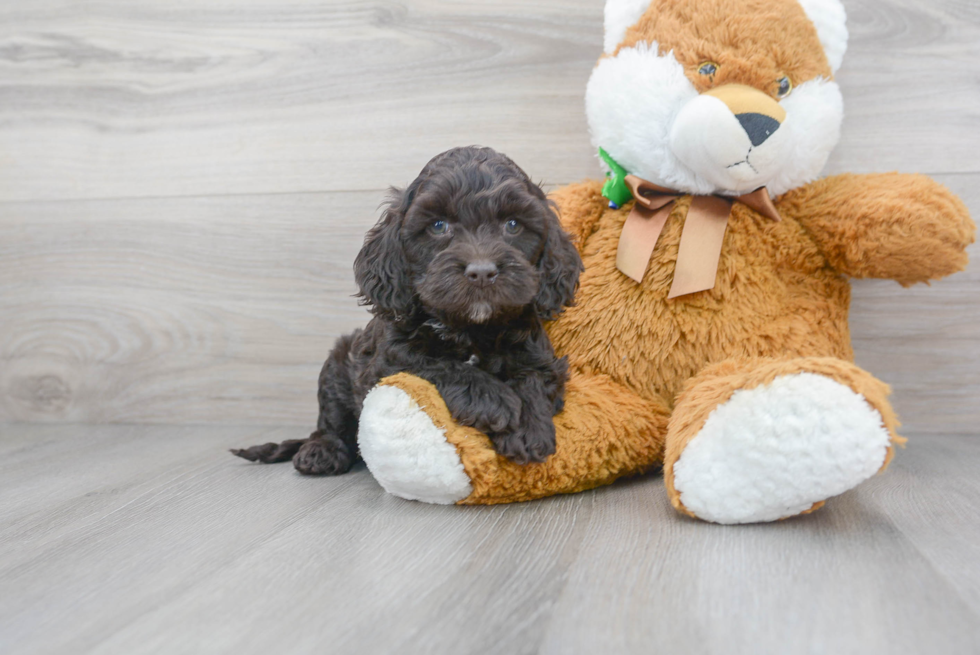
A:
481	273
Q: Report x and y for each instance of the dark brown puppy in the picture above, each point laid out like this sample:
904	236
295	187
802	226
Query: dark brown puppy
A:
460	272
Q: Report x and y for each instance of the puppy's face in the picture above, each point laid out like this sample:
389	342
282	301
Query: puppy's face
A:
471	239
473	243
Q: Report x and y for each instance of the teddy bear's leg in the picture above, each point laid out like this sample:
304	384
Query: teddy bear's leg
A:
414	449
760	440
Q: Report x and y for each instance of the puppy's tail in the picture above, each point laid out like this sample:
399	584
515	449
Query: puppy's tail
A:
271	452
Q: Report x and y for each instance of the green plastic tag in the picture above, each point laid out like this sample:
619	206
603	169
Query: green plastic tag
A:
615	189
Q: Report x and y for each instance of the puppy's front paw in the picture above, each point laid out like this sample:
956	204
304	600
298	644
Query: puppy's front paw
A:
527	443
487	408
323	457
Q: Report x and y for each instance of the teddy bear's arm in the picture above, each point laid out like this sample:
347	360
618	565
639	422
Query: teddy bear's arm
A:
908	228
580	206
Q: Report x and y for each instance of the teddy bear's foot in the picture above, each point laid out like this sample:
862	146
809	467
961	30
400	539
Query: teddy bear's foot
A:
415	450
763	440
406	452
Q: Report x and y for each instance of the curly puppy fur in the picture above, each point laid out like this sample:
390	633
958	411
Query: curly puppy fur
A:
460	272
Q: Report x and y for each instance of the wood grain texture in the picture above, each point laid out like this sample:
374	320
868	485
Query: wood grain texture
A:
206	97
175	310
216	310
815	585
159	264
158	541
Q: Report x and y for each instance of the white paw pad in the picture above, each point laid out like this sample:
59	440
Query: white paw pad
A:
775	450
406	453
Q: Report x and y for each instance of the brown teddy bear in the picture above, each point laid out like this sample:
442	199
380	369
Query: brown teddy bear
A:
710	334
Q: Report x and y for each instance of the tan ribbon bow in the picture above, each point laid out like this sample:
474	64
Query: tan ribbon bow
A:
704	230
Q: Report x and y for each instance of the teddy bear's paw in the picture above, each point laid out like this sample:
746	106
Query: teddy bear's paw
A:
406	452
776	450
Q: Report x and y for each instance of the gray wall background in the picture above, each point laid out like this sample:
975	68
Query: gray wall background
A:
184	184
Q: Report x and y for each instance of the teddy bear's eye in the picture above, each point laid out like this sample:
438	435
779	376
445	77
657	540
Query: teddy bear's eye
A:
708	68
785	86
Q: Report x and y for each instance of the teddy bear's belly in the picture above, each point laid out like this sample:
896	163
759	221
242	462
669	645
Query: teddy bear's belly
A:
767	302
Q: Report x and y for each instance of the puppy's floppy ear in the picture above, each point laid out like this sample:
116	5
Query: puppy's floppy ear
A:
559	268
381	268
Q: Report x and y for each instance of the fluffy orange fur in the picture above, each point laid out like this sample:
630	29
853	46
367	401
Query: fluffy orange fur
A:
647	371
754	42
605	432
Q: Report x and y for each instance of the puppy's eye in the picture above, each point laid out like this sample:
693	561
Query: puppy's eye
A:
785	86
512	227
708	68
438	227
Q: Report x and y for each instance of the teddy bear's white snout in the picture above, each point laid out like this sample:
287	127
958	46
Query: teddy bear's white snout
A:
736	153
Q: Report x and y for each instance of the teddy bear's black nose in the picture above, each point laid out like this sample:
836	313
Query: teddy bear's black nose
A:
481	273
759	127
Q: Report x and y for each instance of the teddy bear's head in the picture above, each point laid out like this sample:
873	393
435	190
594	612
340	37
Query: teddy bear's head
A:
719	96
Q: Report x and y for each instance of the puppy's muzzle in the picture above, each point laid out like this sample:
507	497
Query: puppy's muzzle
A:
481	273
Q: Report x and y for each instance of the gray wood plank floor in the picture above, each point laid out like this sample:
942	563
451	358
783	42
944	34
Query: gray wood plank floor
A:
152	539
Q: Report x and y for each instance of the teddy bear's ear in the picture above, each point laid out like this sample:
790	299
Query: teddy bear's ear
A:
620	15
830	20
